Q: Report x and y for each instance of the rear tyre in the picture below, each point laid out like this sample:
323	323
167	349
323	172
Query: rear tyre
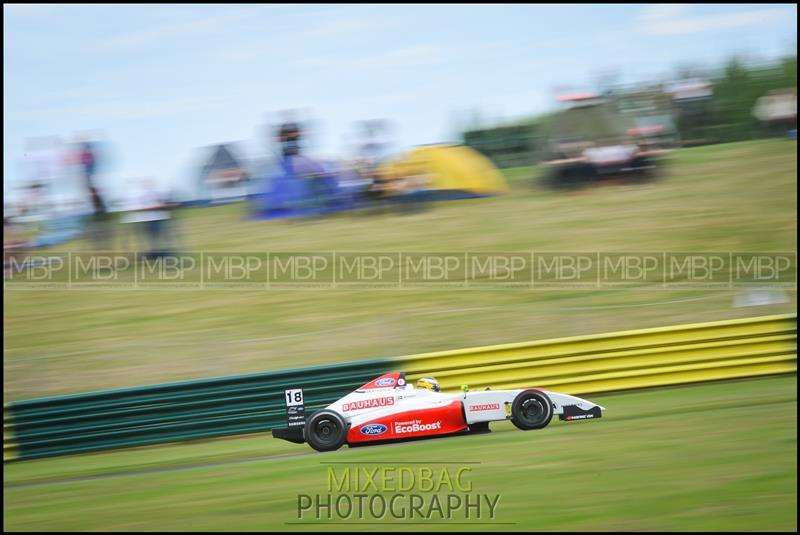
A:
532	409
325	431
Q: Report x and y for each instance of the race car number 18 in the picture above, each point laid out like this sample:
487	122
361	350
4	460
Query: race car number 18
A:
295	410
294	397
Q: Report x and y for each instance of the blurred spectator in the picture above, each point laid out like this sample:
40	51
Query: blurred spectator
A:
35	205
86	158
40	168
100	226
375	144
290	135
42	162
372	152
148	215
14	237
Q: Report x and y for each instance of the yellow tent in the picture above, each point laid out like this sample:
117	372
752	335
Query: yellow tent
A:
454	170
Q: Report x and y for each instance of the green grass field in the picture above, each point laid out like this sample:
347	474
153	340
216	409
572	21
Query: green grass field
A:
719	456
738	197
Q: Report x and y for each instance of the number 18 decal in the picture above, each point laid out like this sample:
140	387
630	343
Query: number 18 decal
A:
294	397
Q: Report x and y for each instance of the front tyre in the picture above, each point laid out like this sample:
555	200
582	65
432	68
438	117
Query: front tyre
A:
532	409
325	431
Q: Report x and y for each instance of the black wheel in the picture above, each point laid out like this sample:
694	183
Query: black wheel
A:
325	431
531	409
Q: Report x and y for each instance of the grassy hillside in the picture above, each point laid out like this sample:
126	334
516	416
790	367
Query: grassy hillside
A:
737	197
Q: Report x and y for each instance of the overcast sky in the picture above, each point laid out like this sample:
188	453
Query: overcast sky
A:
161	81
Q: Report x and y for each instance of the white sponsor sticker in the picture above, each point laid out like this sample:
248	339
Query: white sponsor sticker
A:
580	417
486	407
368	404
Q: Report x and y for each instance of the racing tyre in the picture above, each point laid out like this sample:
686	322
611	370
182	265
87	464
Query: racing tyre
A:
325	431
531	409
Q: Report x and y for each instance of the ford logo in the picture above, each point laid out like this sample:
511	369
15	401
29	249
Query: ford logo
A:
373	429
388	381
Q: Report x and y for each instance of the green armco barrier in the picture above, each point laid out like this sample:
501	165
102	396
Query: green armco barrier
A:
173	411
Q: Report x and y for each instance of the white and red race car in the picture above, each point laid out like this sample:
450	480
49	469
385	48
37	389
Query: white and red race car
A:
390	409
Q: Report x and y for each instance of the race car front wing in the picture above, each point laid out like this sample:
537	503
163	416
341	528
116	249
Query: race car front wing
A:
573	412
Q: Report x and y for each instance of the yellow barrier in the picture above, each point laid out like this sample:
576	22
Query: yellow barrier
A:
623	360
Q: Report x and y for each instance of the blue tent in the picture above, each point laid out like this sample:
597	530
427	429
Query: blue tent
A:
300	187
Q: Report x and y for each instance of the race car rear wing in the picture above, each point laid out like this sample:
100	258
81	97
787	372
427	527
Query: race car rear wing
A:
295	417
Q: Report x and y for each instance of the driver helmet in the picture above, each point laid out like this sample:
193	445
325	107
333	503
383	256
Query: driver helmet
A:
430	383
